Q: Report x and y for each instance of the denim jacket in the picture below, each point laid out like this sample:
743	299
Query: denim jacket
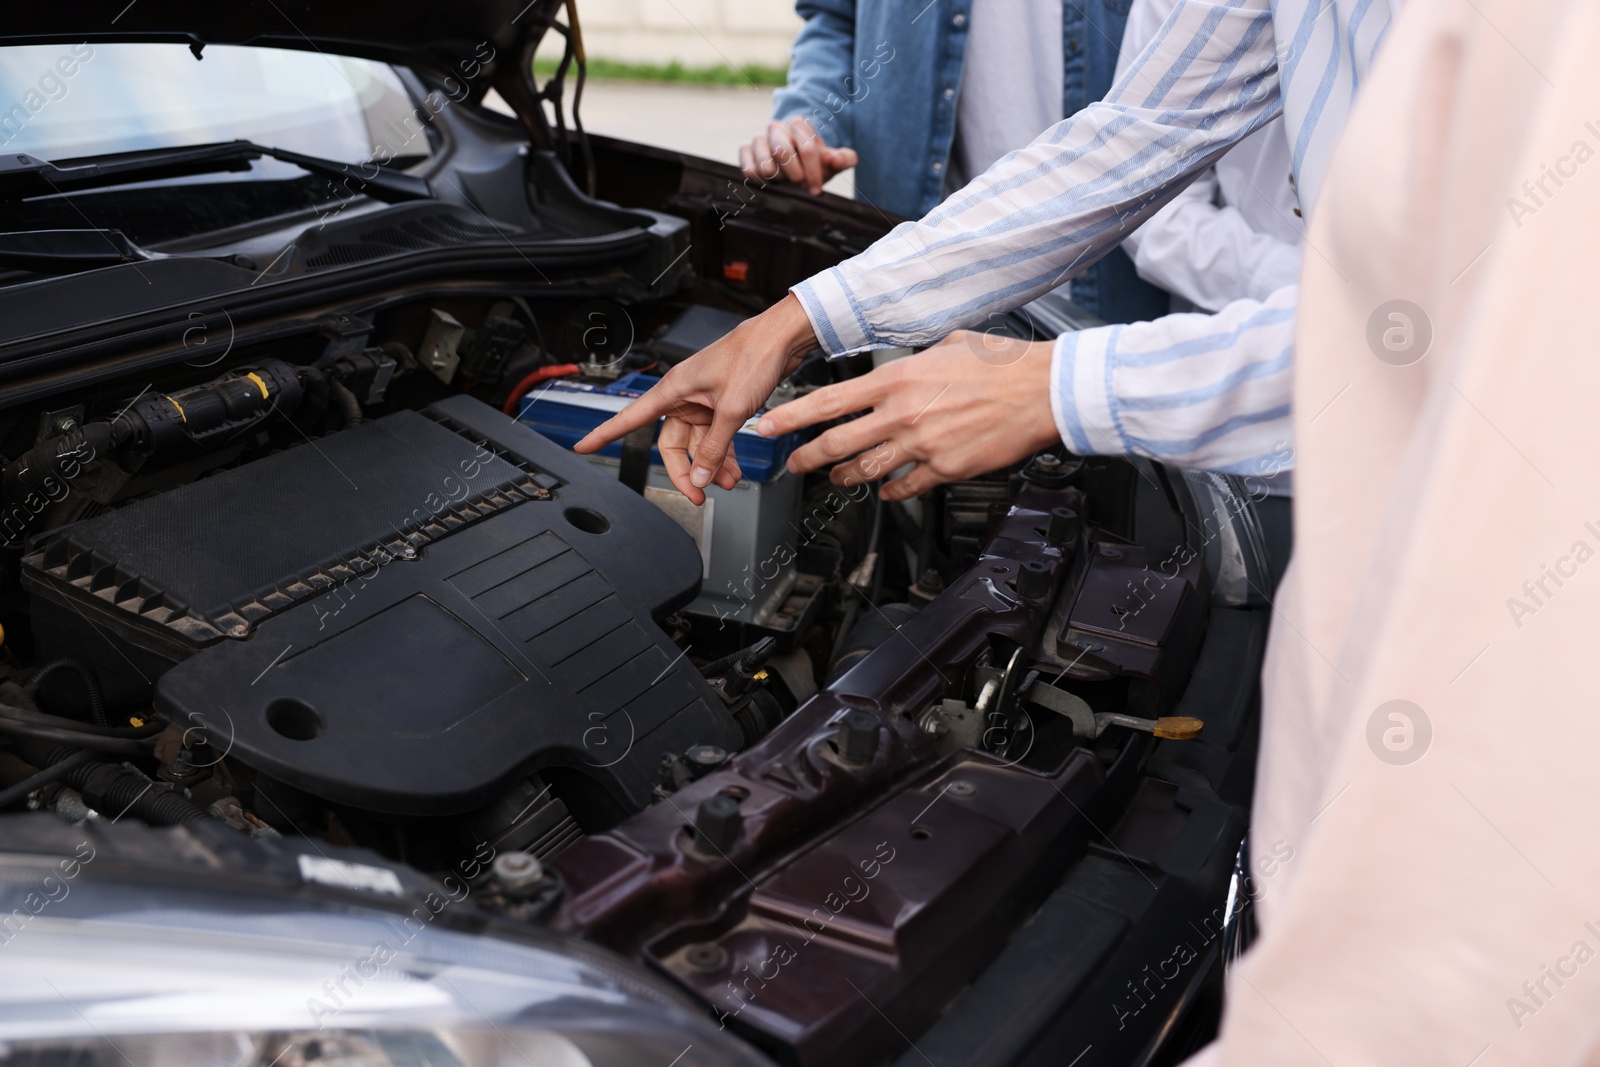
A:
881	76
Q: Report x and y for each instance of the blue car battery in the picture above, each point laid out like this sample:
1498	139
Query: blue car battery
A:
747	535
566	411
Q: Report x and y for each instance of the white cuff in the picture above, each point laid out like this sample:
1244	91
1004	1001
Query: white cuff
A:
840	327
1080	392
1278	268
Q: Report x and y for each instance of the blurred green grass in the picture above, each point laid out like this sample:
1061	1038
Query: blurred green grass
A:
675	72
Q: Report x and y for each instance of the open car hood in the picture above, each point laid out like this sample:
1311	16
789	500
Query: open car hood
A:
418	33
481	43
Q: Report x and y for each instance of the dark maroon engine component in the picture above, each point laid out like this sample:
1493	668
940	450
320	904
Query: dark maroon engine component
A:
850	900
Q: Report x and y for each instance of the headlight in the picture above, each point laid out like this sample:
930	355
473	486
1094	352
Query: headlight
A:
134	976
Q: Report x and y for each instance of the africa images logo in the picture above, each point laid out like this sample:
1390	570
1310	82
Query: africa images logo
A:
1399	732
1399	333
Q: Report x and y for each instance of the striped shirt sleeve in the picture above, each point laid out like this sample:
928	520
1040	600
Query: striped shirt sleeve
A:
1203	391
1045	212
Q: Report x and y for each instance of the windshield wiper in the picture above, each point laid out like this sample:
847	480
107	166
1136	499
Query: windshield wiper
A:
22	175
67	251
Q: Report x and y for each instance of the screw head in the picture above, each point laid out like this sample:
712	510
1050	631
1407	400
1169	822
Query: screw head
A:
705	956
517	870
706	757
408	552
962	789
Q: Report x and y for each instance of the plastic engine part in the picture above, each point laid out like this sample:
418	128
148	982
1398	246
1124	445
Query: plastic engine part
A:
405	617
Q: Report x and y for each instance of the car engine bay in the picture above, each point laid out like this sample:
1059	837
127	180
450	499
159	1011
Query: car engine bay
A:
302	582
335	602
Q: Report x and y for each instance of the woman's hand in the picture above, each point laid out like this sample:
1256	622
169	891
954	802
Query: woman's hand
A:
706	399
973	403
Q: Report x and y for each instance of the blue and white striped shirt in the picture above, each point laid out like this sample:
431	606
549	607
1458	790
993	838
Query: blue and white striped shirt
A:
1208	391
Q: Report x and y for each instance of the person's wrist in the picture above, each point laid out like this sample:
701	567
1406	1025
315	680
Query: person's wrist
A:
795	334
1037	366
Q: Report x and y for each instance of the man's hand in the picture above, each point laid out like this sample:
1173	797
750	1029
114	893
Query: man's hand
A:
971	404
795	151
709	396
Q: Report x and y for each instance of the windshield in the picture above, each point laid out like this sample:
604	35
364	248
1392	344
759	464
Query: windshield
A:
65	101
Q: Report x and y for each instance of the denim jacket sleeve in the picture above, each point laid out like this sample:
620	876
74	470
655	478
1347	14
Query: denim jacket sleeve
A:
820	65
1043	213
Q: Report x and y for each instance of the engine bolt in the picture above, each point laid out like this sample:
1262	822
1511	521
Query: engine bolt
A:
705	758
705	956
717	823
858	737
1063	525
408	552
183	770
517	871
1033	581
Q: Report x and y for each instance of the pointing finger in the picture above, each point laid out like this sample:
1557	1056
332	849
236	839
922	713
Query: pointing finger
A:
840	443
829	402
665	397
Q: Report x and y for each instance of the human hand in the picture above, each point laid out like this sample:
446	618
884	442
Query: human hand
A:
795	151
706	399
971	404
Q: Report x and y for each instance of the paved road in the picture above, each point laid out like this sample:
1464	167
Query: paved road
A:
709	121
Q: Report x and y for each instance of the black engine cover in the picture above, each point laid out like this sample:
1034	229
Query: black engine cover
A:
407	616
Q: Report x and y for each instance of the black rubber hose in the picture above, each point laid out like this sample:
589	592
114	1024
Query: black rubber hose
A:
110	789
403	359
718	666
115	791
44	473
875	626
348	404
30	716
91	685
114	746
20	791
314	386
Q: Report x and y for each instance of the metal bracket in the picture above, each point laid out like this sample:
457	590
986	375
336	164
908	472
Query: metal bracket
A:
1089	724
